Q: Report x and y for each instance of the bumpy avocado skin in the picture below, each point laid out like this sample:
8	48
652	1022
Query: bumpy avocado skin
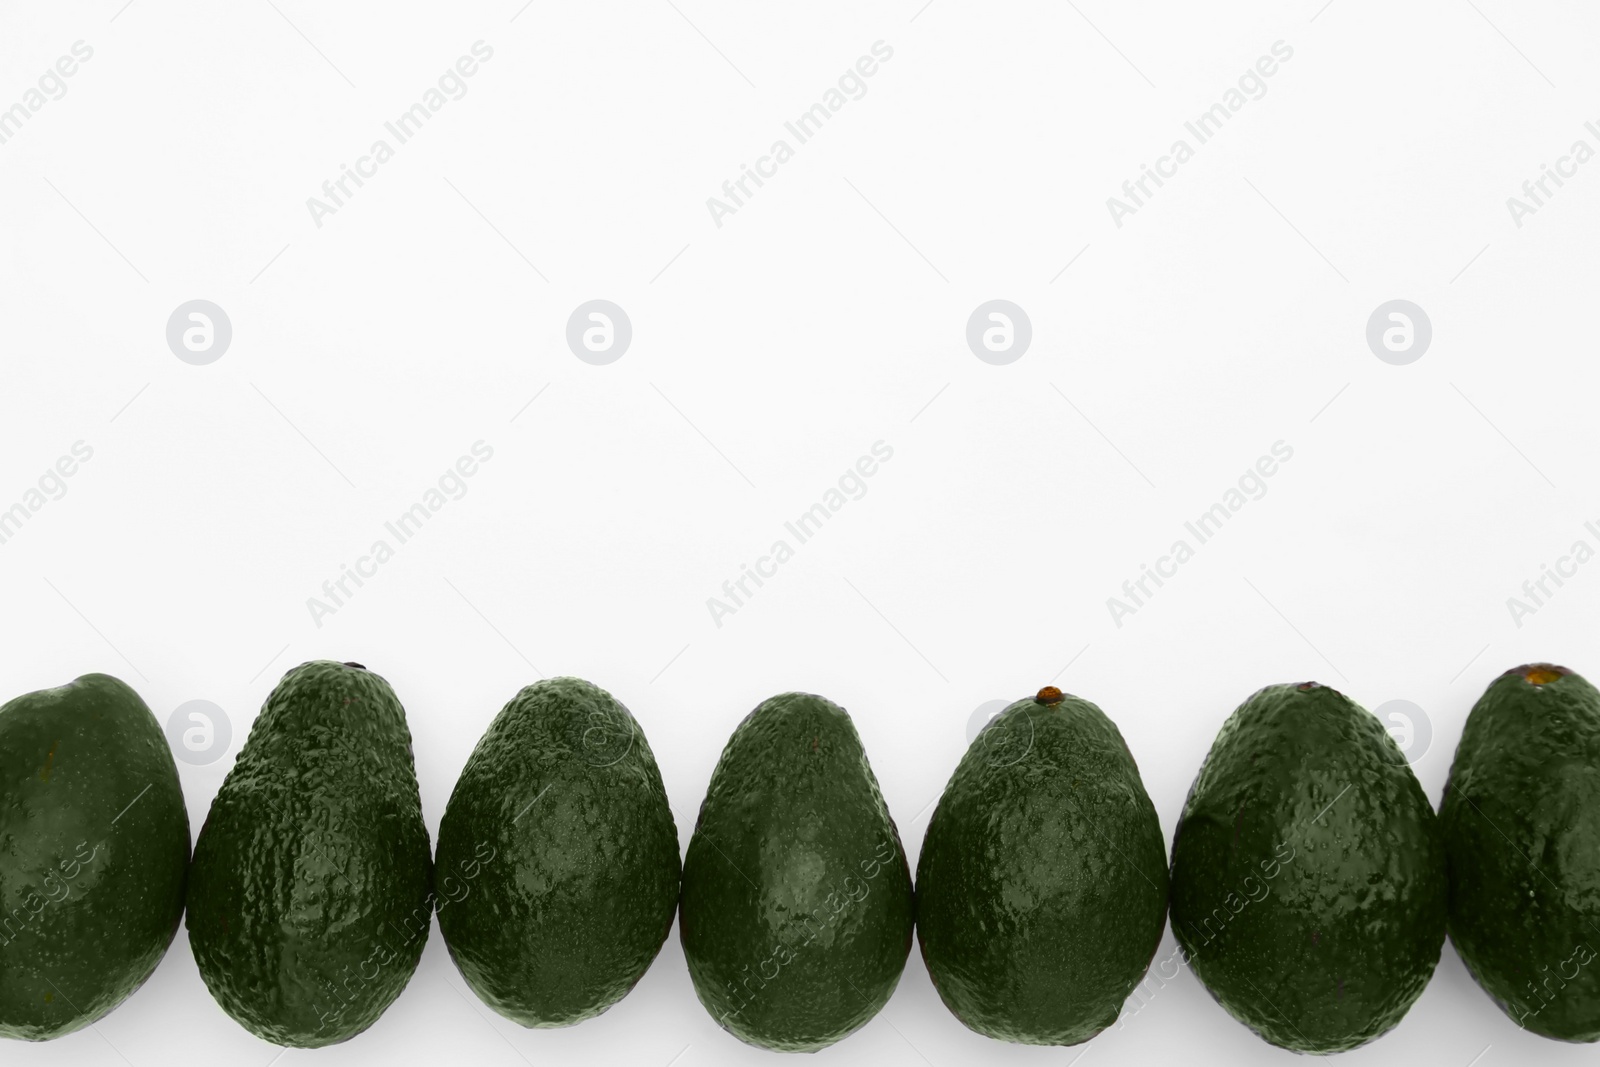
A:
558	857
310	896
797	911
94	850
1042	882
1308	872
1521	821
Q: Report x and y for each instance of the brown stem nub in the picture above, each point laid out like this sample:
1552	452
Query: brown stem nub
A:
1049	696
1541	673
357	666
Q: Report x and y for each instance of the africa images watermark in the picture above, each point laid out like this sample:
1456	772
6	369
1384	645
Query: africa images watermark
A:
735	191
834	905
51	85
51	486
1544	993
385	950
1202	128
406	125
53	890
1252	485
1537	191
1232	905
1536	592
802	528
451	485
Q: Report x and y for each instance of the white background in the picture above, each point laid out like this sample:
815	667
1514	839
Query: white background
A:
768	355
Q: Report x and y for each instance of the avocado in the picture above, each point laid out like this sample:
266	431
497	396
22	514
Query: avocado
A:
1308	872
1042	883
311	893
797	911
558	857
94	849
1521	823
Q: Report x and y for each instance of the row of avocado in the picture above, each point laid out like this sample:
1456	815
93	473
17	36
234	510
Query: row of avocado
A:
1310	885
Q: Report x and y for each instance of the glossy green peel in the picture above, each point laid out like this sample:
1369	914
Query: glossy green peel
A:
796	916
1042	883
310	898
1308	872
94	849
1521	820
558	857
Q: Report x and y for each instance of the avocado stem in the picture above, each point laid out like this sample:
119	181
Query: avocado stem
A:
1541	673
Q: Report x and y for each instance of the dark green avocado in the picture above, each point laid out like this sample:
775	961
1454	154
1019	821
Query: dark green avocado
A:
1521	822
94	848
797	911
558	857
310	896
1308	872
1042	883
